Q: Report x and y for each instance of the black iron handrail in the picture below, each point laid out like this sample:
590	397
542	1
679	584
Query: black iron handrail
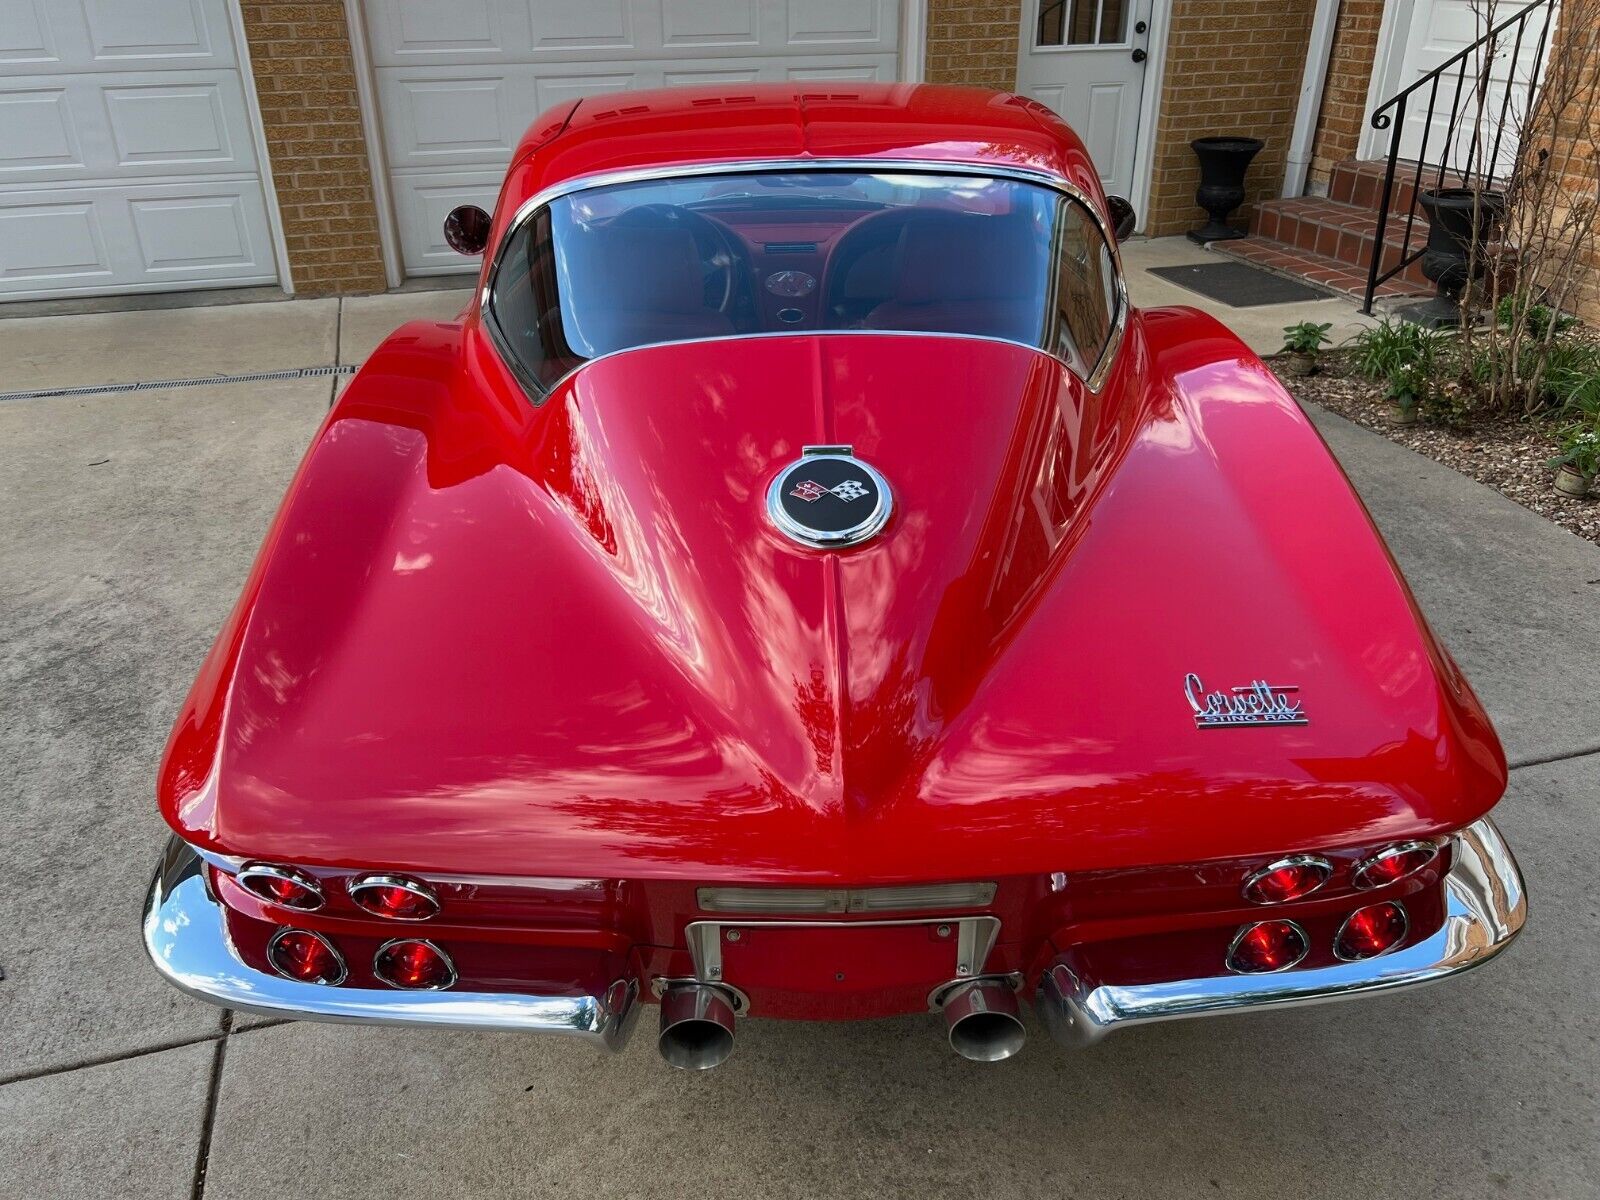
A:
1473	174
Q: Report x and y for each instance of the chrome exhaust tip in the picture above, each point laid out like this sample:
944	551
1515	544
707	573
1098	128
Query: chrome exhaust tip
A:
983	1020
696	1026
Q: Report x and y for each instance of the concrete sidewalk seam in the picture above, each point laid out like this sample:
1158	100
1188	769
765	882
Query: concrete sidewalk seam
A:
1561	756
144	1052
202	1158
148	385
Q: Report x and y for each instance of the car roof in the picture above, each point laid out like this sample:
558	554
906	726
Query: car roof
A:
628	131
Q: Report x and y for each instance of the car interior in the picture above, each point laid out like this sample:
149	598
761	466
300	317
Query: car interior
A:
638	265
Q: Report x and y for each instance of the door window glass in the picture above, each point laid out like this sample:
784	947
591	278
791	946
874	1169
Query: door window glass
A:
1082	22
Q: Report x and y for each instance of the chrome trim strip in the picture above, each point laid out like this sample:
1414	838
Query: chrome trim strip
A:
879	166
1485	908
186	939
758	900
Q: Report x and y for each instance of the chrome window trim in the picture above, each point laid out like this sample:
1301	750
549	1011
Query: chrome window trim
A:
1405	932
415	887
1292	860
450	965
1394	851
538	393
261	870
338	957
1305	943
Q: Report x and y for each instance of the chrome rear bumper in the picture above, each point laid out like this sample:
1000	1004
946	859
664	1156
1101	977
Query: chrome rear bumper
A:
187	940
1485	909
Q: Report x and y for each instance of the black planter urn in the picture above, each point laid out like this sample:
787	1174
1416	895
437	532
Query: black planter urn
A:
1458	219
1223	162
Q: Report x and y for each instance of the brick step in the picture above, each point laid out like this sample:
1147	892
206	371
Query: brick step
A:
1360	182
1341	232
1343	278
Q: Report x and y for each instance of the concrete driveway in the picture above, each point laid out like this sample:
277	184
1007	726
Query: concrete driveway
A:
127	523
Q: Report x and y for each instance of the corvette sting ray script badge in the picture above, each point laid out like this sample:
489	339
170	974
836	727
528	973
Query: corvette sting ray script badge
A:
1261	703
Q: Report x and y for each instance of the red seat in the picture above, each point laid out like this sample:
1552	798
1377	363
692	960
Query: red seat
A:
634	286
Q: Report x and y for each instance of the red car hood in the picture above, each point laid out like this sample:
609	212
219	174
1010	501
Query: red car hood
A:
491	639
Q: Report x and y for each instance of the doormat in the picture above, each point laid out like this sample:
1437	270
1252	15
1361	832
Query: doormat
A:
1239	285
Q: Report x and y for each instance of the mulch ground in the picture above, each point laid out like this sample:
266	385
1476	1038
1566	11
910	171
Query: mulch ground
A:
1508	454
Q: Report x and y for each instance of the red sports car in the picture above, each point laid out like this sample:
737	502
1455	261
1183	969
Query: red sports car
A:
801	586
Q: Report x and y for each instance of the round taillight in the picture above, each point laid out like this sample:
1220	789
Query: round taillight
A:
414	965
281	885
1392	864
1371	931
1287	879
394	897
306	956
1267	946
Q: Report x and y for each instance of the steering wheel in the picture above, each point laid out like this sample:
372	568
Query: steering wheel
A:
719	260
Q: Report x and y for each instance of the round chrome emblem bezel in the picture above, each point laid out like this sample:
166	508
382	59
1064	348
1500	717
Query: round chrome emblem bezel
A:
829	539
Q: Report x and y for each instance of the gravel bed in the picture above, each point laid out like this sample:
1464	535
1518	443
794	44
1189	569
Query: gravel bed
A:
1508	454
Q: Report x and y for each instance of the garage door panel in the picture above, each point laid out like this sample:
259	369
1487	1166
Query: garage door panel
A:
27	41
44	241
458	84
131	238
114	35
142	124
423	201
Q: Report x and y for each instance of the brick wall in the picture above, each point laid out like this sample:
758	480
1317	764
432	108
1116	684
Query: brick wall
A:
973	42
1344	98
1232	68
305	84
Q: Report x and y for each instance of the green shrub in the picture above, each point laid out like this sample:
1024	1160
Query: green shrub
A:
1572	376
1402	357
1580	448
1539	317
1307	337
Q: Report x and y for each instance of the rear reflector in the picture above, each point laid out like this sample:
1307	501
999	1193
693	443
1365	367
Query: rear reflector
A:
1287	879
1267	946
1371	931
305	956
414	965
1393	863
394	897
281	885
915	898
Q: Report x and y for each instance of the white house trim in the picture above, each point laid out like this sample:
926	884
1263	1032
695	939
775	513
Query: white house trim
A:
372	130
258	136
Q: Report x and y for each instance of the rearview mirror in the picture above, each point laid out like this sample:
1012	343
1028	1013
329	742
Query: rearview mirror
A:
466	229
1123	218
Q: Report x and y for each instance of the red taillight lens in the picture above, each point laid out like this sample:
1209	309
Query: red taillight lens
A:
1371	931
394	897
1393	863
1287	879
1267	946
281	885
413	964
308	957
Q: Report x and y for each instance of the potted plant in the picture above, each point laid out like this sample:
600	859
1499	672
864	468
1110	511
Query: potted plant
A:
1578	460
1302	343
1401	356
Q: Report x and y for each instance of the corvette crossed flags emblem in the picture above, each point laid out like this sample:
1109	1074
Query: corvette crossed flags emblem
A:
811	492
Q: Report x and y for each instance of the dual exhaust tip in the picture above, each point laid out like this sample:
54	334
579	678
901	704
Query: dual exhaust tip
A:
981	1019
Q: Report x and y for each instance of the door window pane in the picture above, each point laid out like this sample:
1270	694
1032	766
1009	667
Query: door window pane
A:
1082	22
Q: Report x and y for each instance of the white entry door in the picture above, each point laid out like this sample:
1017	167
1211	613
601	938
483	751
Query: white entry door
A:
1086	59
1436	32
459	82
127	162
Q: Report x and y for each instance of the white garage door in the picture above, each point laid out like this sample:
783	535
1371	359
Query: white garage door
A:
126	159
458	83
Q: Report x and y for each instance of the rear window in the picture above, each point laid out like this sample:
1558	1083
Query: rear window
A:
635	264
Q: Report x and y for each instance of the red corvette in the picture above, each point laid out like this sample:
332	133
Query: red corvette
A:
801	586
